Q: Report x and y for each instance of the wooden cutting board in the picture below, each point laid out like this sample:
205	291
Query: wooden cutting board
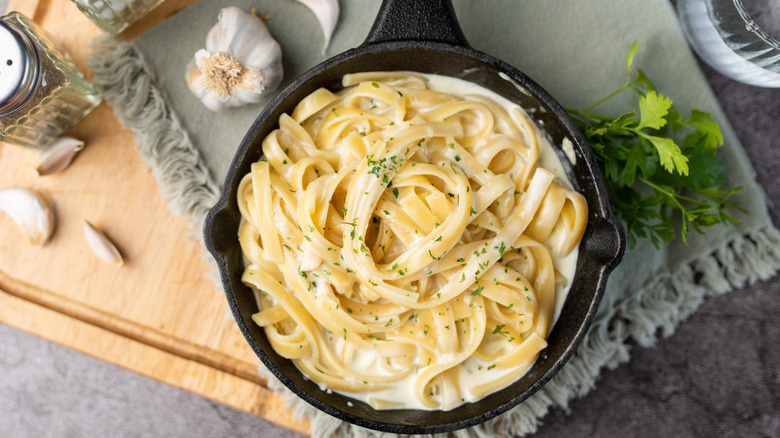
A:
159	315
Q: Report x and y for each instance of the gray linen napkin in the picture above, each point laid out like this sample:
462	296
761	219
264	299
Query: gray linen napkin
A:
574	49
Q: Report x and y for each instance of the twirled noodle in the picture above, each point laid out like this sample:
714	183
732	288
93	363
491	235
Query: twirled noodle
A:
402	240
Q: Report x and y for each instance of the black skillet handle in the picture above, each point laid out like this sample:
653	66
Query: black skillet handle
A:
417	20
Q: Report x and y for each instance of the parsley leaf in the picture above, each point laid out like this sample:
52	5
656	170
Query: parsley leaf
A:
630	55
653	109
669	153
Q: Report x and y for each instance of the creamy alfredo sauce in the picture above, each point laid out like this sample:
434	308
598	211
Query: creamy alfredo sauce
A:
473	370
548	159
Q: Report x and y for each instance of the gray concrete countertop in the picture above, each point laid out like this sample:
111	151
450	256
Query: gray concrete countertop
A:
718	375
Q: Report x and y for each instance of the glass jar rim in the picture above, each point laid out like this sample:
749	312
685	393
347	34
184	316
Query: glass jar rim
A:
754	27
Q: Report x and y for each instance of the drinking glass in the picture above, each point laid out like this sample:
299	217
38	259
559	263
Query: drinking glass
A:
738	38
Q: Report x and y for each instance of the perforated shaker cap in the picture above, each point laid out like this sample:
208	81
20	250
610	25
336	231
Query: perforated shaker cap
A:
18	67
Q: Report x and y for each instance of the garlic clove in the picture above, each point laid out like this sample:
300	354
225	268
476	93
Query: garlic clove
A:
240	63
327	14
58	156
31	211
101	245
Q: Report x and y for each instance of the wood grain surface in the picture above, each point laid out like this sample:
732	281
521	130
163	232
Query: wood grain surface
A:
159	315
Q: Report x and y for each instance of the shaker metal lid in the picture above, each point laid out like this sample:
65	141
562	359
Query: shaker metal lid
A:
18	67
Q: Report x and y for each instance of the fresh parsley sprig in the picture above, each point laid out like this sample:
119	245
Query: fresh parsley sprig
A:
654	182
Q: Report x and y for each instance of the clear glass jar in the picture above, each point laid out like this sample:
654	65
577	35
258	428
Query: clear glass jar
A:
114	16
738	38
42	93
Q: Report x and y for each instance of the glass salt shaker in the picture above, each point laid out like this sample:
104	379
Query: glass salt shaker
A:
42	93
114	16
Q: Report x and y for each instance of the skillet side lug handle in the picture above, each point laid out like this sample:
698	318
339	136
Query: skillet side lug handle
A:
618	249
418	20
607	244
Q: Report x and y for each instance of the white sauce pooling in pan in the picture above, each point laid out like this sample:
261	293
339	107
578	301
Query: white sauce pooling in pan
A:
412	239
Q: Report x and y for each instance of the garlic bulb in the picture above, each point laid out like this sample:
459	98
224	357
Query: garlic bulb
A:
327	13
32	212
241	61
58	155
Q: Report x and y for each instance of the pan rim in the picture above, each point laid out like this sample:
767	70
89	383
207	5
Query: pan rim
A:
263	121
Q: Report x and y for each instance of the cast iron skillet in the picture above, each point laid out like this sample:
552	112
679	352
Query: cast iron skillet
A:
424	36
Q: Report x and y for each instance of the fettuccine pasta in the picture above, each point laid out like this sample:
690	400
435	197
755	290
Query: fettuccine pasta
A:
404	243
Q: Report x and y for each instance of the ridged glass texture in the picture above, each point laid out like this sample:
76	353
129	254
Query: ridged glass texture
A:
62	98
114	16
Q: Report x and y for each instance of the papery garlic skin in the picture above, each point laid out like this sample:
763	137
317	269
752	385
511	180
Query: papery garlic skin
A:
101	245
58	156
222	77
327	14
31	211
240	63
